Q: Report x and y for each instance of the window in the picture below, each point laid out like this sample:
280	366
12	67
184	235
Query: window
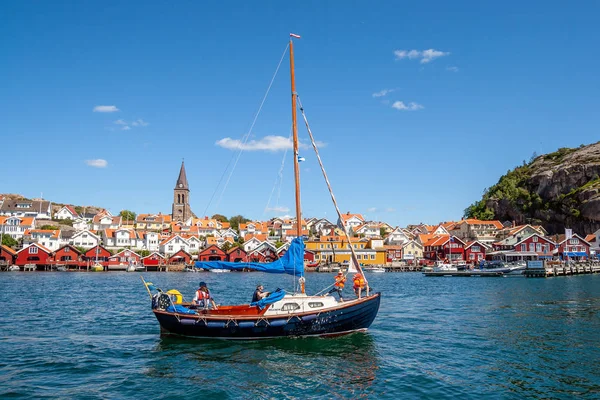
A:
475	249
538	247
315	304
170	248
290	307
574	241
372	256
33	250
535	239
523	247
359	256
531	246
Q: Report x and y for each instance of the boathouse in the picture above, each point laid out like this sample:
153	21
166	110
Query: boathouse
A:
34	254
237	254
212	253
7	255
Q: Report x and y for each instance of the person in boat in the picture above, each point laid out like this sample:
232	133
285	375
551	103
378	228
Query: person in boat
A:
202	298
338	286
259	293
358	282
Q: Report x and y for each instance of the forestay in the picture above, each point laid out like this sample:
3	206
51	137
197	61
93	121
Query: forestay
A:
291	263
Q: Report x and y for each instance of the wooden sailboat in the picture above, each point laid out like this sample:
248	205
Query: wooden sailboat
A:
280	314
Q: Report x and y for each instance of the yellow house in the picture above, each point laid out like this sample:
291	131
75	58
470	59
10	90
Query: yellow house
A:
337	249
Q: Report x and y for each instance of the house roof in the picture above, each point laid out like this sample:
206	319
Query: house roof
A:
473	221
8	250
10	205
347	216
45	249
591	238
54	233
182	182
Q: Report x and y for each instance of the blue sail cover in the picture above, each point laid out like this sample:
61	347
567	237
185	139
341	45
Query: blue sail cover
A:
291	263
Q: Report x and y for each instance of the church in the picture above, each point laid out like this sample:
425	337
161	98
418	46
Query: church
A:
181	198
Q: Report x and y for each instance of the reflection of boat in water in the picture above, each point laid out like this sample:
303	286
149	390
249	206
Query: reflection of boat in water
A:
61	268
279	314
219	270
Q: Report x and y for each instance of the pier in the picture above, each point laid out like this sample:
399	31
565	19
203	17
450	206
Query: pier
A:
562	269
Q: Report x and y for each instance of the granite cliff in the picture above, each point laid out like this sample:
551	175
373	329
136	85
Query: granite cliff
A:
557	190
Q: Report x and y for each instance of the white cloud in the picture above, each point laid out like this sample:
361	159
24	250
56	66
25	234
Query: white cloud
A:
425	56
371	209
282	209
412	106
383	92
126	128
105	109
98	163
390	209
452	69
120	122
267	143
139	122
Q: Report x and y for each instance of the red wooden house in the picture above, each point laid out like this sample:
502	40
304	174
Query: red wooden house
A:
125	257
237	254
264	253
68	255
534	246
393	253
181	257
575	248
97	253
309	256
475	251
212	253
34	254
444	247
7	255
153	260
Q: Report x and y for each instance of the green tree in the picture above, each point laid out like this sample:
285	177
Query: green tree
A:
226	247
382	231
236	220
7	240
48	227
127	215
220	218
144	253
82	250
279	243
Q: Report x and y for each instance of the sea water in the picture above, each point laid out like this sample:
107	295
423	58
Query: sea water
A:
93	336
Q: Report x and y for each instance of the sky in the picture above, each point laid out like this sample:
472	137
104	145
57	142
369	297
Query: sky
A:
417	107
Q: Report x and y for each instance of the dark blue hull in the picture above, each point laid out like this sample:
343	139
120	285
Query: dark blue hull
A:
347	318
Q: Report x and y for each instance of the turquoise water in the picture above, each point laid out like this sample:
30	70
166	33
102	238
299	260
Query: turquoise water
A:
93	336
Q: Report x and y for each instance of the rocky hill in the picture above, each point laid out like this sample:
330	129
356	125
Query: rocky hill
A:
556	190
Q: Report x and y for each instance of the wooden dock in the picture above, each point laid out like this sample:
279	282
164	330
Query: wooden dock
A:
563	269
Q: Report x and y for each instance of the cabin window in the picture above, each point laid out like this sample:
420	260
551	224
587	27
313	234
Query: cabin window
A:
535	239
315	304
290	307
33	250
359	256
573	241
523	247
538	247
372	256
66	249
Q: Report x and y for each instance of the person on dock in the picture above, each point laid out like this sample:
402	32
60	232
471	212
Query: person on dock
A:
203	298
259	293
358	284
338	286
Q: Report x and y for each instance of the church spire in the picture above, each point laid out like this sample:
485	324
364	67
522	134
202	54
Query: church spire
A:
182	182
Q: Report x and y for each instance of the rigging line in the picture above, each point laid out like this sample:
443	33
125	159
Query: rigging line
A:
279	180
245	139
337	209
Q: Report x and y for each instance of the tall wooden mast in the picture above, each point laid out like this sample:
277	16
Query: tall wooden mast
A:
295	139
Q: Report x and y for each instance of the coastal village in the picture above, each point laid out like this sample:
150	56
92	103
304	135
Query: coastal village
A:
157	241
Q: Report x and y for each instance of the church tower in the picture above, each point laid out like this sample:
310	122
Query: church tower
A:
181	197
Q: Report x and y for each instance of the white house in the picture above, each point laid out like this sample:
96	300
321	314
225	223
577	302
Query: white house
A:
148	241
66	212
251	244
106	221
396	237
39	209
119	238
195	244
15	227
50	239
85	239
351	221
80	224
173	244
367	230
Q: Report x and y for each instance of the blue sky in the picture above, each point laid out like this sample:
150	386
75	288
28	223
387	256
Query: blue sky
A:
419	106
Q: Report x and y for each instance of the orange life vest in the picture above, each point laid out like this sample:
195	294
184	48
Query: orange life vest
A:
359	281
340	280
201	294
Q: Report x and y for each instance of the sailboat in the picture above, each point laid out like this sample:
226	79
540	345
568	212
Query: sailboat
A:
280	314
97	267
